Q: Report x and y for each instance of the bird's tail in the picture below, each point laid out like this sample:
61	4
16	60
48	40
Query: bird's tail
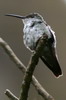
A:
54	66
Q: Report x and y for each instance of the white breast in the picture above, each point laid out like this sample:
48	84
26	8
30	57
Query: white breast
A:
32	34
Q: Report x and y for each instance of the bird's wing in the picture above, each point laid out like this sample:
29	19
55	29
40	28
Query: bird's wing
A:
50	59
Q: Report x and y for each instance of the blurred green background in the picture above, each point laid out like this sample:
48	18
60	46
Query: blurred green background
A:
11	30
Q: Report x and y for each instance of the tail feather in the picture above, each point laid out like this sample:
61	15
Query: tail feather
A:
54	67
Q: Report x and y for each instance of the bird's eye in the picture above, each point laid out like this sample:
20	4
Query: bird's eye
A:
32	24
30	16
35	23
39	22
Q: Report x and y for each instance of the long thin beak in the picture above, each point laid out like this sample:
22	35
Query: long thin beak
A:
17	16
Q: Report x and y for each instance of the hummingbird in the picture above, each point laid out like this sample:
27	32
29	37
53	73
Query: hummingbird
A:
34	28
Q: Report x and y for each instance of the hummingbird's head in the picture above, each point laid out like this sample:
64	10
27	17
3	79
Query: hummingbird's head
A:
28	18
32	17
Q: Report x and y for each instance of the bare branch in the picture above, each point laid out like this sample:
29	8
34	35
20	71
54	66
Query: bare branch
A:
41	90
12	55
22	67
10	95
31	67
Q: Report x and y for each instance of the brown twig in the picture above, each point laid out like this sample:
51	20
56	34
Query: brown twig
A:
22	67
10	95
31	67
